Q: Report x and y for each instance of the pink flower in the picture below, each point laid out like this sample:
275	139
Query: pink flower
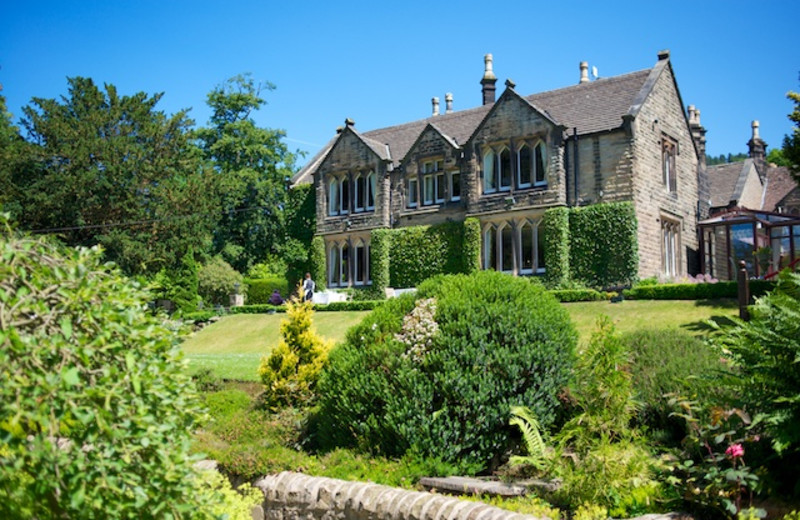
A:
734	451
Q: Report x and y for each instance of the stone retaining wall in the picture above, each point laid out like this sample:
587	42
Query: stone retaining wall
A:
297	496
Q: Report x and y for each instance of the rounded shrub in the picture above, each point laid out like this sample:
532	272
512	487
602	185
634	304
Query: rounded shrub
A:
216	281
96	407
437	372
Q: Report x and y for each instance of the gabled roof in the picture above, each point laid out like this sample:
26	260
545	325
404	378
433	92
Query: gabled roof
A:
591	107
449	140
727	181
778	185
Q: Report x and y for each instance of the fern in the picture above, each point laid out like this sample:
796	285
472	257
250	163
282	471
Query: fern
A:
524	418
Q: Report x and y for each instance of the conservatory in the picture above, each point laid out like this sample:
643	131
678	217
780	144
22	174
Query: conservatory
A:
767	242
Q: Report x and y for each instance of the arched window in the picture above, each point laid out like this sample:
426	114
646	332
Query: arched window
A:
333	265
540	258
507	248
539	161
360	263
490	172
345	195
371	190
345	263
333	196
528	247
524	166
490	248
359	192
504	160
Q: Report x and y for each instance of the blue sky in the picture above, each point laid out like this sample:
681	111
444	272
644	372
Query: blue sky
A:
380	63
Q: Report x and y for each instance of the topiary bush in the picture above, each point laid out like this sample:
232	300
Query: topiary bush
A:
441	380
260	290
216	281
96	406
555	227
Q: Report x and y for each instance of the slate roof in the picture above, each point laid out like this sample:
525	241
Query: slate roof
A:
724	179
591	107
779	184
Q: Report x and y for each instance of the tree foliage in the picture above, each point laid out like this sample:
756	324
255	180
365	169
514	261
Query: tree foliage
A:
111	169
96	408
253	164
791	143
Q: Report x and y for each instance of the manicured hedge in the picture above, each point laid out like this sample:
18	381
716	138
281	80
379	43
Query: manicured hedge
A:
695	291
471	246
555	229
363	305
259	290
199	316
580	295
419	252
603	244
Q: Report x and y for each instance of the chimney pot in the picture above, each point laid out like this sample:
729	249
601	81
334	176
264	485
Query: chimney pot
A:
663	55
584	72
488	73
435	103
755	126
488	81
448	99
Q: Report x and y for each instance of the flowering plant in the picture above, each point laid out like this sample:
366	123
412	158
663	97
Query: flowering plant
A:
711	470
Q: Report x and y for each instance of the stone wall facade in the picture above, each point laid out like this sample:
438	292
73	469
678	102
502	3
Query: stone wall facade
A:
300	497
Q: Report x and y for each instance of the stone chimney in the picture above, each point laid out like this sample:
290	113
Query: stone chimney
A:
584	72
448	103
488	81
698	134
758	151
435	103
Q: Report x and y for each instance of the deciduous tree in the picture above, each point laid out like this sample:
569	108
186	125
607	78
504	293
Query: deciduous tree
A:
791	143
254	165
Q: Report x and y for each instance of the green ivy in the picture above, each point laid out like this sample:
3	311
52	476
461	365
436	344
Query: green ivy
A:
318	262
379	246
471	246
603	245
555	227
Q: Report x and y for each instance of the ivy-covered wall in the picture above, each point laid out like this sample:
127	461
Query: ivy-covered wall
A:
380	243
471	246
419	252
603	245
555	229
318	270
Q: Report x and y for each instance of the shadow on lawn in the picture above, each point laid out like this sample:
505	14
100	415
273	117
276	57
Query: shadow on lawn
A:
703	326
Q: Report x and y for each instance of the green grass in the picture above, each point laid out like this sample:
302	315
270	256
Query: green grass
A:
232	347
631	315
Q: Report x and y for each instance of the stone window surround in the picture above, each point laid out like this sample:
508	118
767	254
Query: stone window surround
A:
349	181
514	146
347	275
671	265
517	227
669	172
431	175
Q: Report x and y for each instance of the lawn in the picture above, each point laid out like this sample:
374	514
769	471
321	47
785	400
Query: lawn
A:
233	347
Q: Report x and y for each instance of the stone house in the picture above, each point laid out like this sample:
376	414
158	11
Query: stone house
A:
621	138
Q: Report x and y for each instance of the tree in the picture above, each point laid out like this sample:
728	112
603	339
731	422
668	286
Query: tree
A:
112	170
11	150
776	157
791	143
254	165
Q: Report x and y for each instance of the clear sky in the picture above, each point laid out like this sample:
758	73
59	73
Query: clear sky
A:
380	63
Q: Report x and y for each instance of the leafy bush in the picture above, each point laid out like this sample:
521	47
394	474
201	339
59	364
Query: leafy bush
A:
96	407
291	370
266	308
318	262
216	281
580	295
380	247
260	290
603	244
199	316
361	305
670	361
765	352
451	397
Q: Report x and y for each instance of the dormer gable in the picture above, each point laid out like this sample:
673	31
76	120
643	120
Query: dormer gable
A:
430	142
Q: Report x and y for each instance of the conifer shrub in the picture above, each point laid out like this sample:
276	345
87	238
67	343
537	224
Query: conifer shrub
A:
291	370
437	372
96	406
182	283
